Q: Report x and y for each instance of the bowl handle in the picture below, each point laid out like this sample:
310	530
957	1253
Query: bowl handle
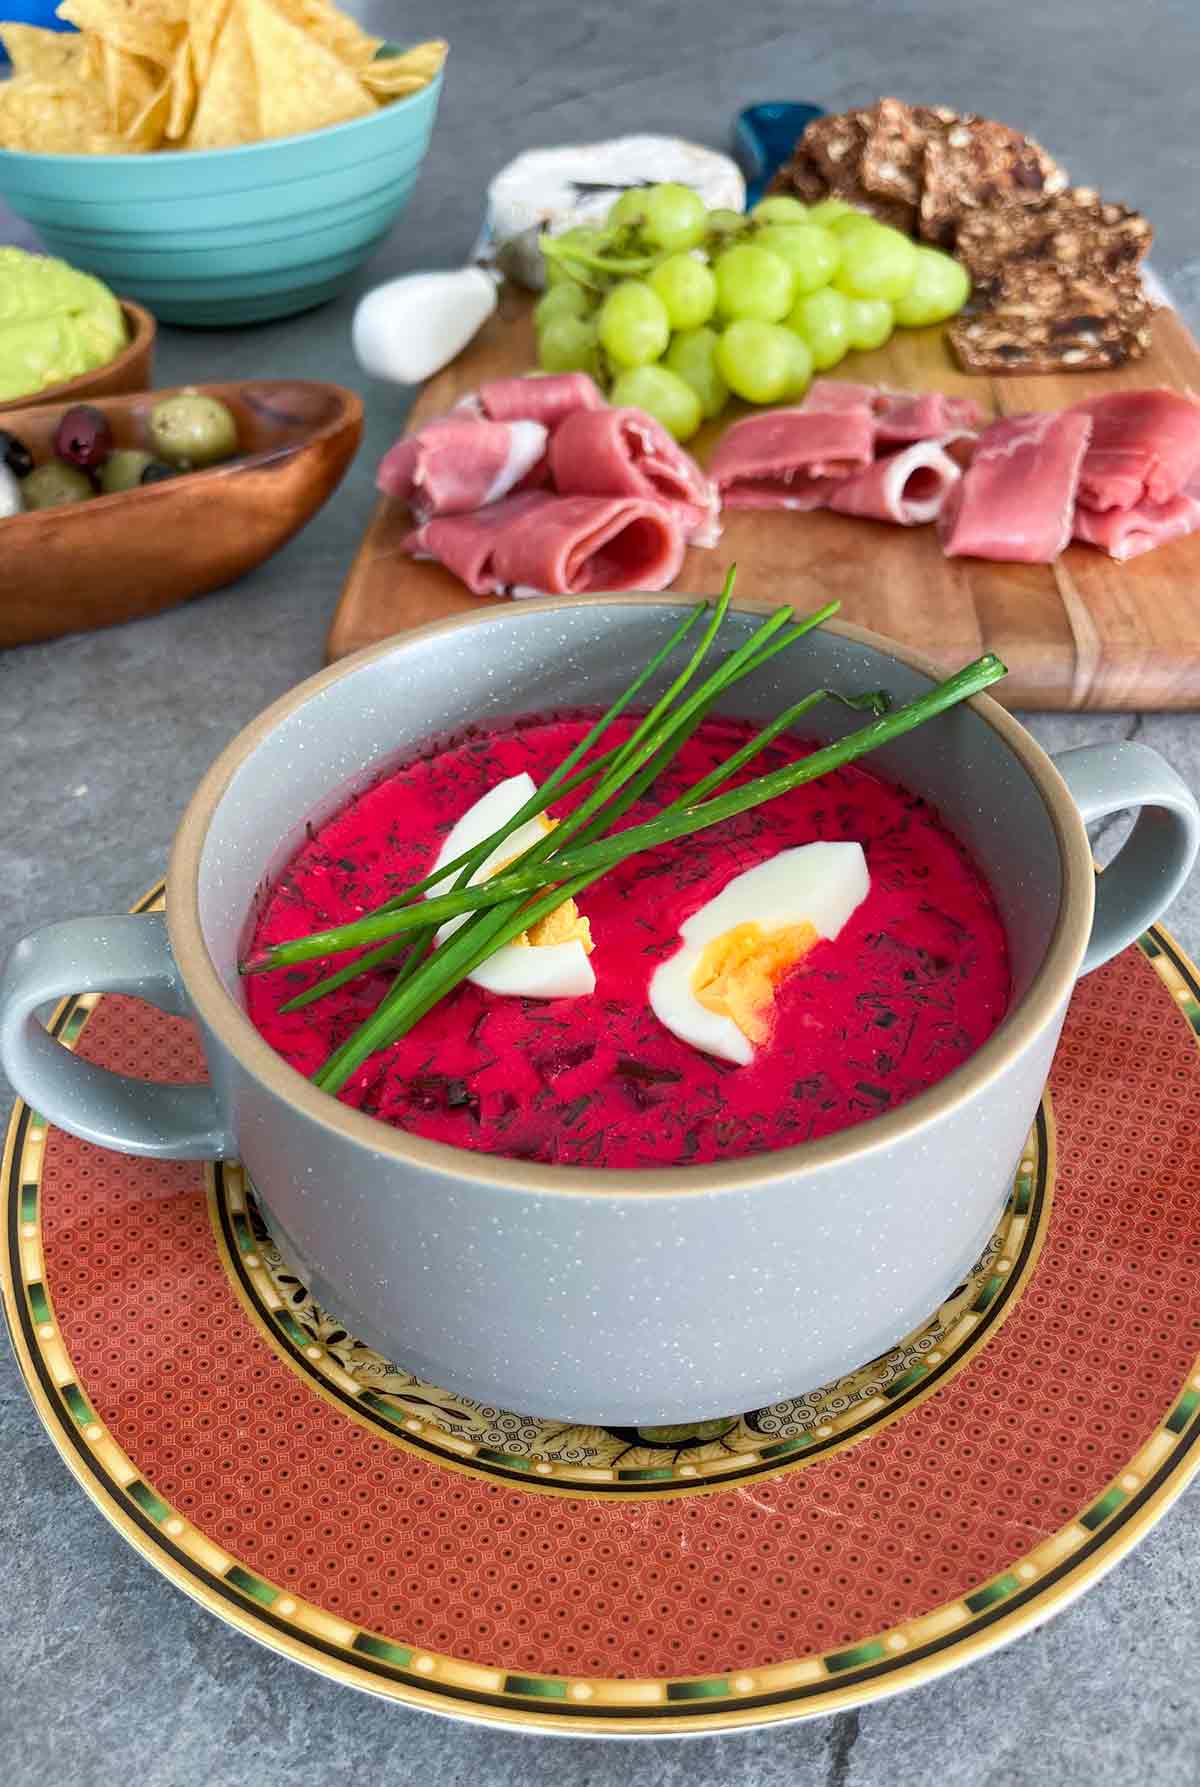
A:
125	954
1147	873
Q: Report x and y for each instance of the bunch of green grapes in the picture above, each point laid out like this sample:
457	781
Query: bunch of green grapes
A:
672	307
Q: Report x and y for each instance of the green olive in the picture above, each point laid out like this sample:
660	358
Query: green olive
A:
54	483
123	469
193	430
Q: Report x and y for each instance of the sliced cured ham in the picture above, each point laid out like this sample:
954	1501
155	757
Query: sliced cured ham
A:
1127	533
624	452
832	395
538	544
1145	447
1016	500
909	487
783	460
459	463
900	416
929	415
546	399
465	543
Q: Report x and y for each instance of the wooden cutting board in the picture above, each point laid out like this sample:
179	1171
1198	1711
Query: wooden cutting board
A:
1083	633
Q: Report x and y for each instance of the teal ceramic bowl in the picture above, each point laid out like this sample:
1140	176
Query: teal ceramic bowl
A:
219	237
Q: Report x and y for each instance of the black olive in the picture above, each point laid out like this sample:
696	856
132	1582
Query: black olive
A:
155	472
15	454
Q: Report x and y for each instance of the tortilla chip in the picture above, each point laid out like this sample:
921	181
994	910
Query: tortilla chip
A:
181	84
204	21
227	110
148	129
390	76
45	55
106	143
50	117
332	30
129	85
301	85
147	28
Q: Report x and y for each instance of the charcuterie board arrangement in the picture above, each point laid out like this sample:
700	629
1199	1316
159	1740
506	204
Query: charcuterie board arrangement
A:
925	376
1086	631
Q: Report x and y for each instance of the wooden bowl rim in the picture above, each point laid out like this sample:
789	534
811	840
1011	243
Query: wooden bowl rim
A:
348	414
142	331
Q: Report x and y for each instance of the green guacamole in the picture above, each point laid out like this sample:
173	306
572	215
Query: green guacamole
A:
55	323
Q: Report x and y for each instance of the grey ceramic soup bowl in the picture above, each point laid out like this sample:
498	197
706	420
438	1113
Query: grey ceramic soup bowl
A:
595	1296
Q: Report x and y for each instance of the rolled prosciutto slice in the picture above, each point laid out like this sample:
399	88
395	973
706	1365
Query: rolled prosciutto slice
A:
909	487
1127	533
459	463
1145	447
538	544
900	416
546	399
780	460
465	543
1016	500
624	452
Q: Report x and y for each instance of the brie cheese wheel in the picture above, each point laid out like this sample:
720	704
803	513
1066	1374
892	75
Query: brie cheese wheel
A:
555	189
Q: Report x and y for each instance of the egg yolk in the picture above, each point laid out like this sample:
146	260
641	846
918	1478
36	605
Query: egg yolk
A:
738	973
566	924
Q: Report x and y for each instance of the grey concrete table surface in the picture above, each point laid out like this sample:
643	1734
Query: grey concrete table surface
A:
107	1674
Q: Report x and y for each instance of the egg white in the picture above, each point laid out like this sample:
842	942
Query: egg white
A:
541	971
816	884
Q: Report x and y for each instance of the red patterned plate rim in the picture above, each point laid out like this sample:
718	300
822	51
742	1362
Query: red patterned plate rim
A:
1027	1587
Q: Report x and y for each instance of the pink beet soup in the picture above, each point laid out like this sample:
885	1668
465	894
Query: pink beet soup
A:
916	980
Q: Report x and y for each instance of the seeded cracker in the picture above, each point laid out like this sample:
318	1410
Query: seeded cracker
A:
1054	270
827	161
1057	285
802	177
973	164
893	155
1075	228
1037	317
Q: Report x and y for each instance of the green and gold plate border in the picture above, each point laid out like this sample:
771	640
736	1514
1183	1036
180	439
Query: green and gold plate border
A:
1033	1587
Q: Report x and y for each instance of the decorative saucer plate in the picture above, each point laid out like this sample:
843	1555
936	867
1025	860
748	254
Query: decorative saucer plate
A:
484	1563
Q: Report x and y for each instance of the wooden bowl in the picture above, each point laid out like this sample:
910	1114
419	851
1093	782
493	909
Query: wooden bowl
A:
113	558
132	370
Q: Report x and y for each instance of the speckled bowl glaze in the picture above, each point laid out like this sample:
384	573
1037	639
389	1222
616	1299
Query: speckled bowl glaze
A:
218	237
621	1298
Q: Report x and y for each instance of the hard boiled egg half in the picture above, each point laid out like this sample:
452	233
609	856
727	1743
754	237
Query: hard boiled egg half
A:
718	990
550	960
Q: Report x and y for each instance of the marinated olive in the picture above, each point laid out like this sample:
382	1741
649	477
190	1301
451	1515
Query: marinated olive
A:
56	482
123	469
84	436
15	454
193	430
10	493
156	471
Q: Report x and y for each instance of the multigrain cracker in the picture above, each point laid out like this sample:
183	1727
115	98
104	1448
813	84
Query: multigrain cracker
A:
1040	318
1054	269
973	164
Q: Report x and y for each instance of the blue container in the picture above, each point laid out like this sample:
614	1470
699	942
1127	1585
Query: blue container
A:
764	137
219	237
